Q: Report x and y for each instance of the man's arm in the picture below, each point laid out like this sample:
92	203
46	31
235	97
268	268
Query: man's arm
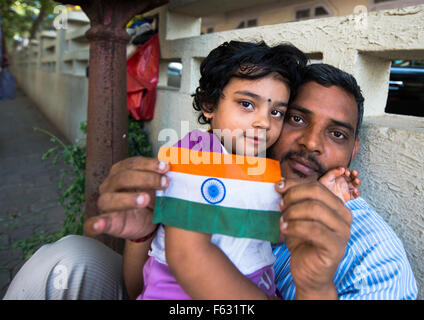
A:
316	226
126	202
127	198
203	270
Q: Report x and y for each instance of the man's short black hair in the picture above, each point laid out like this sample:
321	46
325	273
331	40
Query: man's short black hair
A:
248	61
327	75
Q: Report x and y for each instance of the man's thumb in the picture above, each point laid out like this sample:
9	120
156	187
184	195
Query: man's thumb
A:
94	226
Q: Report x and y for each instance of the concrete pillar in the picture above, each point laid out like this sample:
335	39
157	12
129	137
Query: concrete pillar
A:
107	127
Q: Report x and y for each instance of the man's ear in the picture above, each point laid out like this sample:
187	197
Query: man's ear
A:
355	148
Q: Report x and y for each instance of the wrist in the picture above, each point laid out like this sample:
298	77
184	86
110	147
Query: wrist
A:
147	237
324	292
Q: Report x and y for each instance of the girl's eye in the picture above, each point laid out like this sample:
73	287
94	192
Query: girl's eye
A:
246	104
277	113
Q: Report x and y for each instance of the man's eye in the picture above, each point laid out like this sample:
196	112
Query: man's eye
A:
295	118
246	104
338	135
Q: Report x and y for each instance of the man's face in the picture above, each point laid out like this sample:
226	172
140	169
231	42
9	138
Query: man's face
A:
318	132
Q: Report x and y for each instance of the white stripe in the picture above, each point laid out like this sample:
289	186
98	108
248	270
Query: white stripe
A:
241	194
248	255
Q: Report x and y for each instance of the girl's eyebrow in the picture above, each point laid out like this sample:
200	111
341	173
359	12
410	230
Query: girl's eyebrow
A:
258	97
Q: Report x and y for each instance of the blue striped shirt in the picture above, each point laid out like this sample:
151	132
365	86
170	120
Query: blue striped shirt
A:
374	267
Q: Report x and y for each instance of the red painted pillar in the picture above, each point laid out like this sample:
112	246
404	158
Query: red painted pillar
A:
107	124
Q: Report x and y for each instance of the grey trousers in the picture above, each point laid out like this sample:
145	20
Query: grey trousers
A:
72	268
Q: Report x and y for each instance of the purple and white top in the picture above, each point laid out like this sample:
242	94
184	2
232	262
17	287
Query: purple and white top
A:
252	257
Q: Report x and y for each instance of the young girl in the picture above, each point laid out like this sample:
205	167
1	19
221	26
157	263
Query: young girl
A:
244	92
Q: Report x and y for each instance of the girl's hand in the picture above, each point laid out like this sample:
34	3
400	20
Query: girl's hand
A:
342	182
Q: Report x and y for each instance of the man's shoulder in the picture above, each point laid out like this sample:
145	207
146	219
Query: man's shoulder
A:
369	228
377	257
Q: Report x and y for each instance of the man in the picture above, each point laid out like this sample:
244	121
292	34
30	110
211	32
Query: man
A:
331	251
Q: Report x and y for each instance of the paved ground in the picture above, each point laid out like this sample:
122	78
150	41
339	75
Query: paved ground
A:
28	185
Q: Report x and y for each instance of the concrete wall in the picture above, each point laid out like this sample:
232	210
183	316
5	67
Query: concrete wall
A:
52	72
284	11
391	165
390	158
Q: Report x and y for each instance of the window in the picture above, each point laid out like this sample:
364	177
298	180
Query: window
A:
321	11
241	25
406	88
247	23
252	23
303	14
174	74
315	11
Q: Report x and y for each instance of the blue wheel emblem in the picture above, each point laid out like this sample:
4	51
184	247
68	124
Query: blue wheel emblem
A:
213	190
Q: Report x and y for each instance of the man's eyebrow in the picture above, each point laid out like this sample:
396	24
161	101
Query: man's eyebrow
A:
258	97
299	108
346	125
343	124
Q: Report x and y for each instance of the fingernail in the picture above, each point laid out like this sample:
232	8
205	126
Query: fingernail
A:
281	203
281	184
284	225
96	226
162	165
140	200
163	181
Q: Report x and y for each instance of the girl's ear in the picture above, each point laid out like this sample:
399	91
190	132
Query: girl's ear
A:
208	115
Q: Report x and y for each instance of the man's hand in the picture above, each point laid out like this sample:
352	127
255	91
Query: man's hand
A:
316	227
127	198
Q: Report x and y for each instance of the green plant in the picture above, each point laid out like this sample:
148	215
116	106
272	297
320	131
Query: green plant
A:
72	181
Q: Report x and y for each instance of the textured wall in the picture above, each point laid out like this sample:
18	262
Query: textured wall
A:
62	98
391	167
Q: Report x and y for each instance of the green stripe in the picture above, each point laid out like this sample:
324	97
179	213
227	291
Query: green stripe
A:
214	219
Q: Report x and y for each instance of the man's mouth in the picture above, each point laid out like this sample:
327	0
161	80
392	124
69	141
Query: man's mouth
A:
304	165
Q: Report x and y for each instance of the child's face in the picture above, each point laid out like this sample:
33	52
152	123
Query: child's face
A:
252	111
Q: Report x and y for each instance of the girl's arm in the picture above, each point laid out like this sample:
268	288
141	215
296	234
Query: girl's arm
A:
203	270
134	257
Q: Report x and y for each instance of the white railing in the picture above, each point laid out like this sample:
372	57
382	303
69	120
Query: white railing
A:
52	71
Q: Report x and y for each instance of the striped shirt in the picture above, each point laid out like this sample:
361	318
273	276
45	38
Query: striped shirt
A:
374	267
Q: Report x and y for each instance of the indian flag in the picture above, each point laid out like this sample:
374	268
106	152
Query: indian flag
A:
220	193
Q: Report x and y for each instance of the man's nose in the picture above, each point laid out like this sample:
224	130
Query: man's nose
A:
312	140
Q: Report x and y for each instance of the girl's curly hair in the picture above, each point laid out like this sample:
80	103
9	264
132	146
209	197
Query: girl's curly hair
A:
248	61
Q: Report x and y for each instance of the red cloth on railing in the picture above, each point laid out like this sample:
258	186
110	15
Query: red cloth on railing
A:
142	79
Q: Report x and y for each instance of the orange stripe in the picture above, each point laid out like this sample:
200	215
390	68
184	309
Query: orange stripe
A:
221	165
